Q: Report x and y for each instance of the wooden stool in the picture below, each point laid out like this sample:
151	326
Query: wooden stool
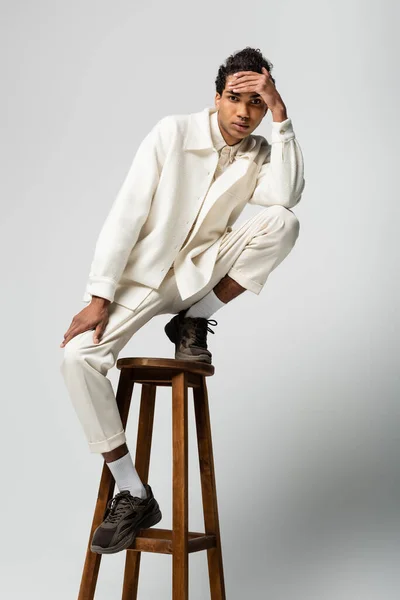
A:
179	374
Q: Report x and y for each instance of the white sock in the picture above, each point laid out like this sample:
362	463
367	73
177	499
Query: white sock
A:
205	307
126	476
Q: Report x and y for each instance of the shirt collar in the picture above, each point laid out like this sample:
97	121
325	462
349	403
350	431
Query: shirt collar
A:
217	138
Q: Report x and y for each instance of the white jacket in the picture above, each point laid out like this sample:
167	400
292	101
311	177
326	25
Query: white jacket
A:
160	198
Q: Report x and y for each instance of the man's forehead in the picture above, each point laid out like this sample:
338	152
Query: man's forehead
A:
253	95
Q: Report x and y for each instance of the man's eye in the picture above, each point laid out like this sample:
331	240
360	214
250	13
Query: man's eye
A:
256	100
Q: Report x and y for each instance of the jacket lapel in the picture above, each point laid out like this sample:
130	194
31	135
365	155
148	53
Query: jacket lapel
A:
198	139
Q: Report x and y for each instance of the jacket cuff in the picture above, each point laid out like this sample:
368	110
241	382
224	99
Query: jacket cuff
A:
282	132
101	286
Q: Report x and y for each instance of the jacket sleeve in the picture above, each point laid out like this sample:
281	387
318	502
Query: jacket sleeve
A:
281	177
128	213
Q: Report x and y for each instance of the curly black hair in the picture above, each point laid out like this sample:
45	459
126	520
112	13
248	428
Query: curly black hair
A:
248	59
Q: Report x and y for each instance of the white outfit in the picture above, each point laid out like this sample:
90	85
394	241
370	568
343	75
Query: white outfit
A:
247	253
170	185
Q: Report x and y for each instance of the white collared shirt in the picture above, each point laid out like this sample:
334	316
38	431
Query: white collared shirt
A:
227	154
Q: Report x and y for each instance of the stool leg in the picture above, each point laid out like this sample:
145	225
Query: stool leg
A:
209	491
142	464
180	583
105	493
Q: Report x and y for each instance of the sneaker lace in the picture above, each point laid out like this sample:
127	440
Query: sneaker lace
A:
117	507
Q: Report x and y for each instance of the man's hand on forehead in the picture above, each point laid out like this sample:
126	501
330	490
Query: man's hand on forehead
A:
252	82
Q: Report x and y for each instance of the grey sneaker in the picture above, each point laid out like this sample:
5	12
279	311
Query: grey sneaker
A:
124	517
189	334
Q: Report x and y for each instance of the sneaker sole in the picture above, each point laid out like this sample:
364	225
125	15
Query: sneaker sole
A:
148	521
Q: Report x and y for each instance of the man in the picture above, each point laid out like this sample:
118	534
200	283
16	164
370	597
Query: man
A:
168	247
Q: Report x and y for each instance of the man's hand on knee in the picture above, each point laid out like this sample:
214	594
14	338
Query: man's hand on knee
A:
94	316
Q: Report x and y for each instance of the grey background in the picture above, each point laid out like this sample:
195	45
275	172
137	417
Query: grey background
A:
305	399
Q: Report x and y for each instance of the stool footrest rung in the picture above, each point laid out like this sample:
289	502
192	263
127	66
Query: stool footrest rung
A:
160	541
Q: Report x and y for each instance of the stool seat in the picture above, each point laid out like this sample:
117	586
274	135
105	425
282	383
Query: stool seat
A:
178	542
161	370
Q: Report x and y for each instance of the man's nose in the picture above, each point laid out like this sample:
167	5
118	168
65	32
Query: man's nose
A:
243	112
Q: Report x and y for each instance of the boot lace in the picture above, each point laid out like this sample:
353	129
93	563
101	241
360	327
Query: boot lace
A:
200	330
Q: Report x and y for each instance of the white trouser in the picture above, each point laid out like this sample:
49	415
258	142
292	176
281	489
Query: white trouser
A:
247	253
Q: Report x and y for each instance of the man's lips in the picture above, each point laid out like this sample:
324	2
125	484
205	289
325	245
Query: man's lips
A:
240	126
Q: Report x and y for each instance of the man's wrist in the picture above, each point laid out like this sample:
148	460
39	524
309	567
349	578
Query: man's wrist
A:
279	113
100	300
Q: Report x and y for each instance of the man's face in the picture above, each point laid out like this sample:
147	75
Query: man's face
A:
246	108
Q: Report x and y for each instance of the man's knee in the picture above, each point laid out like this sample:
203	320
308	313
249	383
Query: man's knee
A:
73	354
284	213
78	350
290	223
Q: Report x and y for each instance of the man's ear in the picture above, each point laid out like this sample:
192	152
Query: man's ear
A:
217	99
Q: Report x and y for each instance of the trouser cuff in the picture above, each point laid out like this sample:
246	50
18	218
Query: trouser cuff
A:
242	280
108	444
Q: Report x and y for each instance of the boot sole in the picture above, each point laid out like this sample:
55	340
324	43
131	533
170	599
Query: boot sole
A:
148	521
199	358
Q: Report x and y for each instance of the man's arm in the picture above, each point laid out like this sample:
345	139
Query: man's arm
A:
126	217
281	177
